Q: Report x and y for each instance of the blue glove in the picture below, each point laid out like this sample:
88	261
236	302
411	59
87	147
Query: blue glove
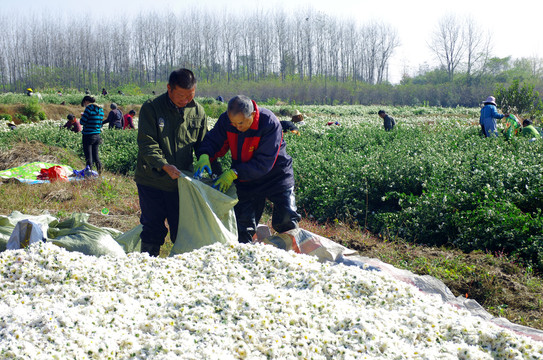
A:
201	165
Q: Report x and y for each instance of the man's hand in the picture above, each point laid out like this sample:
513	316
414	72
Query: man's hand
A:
224	181
172	171
201	165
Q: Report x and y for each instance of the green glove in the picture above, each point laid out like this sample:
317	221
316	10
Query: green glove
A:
201	165
224	181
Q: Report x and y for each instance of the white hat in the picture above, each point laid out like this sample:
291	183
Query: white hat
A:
490	100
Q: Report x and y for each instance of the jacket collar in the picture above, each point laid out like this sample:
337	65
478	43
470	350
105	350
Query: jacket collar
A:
254	125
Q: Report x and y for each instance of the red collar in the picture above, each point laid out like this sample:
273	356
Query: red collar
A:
254	125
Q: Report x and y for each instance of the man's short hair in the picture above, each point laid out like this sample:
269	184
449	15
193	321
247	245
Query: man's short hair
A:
184	78
240	104
381	112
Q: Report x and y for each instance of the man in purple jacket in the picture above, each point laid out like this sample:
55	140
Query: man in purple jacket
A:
261	167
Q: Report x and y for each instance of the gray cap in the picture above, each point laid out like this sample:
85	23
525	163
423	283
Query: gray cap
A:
113	106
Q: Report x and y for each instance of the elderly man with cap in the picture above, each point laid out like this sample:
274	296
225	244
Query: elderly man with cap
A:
261	167
489	114
115	117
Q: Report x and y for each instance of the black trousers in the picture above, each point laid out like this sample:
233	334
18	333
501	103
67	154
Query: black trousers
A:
249	211
156	207
90	149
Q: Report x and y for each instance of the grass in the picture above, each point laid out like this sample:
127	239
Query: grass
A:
502	286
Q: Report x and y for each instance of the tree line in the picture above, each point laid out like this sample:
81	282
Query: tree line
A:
304	57
49	50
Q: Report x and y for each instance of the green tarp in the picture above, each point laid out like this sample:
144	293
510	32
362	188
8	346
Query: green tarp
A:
512	127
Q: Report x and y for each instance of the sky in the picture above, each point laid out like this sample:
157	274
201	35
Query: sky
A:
513	24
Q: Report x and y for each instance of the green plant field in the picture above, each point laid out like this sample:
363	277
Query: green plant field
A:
433	180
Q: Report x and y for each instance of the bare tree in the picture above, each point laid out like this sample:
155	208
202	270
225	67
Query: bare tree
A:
266	55
171	38
388	42
284	34
477	44
448	43
3	59
230	42
370	38
312	19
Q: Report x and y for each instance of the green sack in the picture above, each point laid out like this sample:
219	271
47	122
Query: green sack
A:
76	234
206	215
130	241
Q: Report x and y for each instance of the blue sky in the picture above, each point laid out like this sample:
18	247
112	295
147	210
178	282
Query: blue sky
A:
514	25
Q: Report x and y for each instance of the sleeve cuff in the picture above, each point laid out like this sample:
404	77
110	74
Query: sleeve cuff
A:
160	164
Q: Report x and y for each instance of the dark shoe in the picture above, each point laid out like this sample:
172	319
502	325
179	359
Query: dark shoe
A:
151	249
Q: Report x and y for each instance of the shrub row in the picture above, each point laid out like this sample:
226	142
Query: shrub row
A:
431	185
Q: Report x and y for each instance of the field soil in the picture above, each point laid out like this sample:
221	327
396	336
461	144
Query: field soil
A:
501	285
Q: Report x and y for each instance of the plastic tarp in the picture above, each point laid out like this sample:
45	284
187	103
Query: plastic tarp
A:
306	242
206	215
28	173
26	232
8	223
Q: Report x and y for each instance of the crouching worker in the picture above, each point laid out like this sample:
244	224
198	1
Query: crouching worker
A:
288	126
170	127
260	168
388	121
528	130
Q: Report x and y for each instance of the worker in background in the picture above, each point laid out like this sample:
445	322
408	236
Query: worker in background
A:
528	130
388	121
489	114
72	124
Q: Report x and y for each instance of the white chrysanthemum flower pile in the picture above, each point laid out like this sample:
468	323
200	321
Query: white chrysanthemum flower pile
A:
229	302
